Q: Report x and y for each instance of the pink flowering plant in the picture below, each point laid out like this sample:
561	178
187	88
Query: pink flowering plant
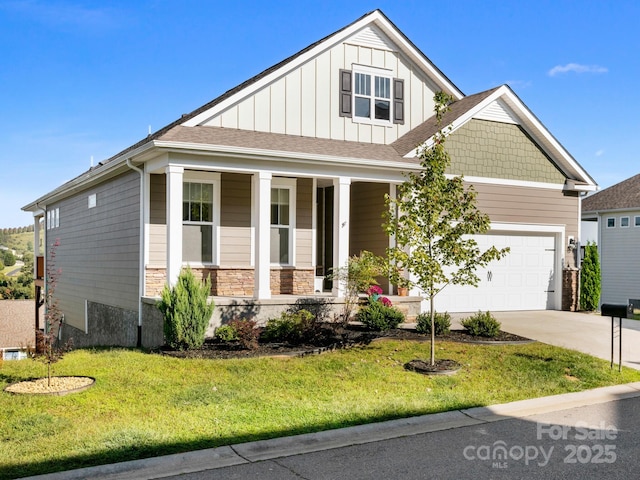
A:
379	314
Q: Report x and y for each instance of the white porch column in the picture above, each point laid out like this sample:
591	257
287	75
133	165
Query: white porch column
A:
262	223
341	204
174	222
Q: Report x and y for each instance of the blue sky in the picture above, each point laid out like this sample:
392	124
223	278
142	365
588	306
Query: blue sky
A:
82	79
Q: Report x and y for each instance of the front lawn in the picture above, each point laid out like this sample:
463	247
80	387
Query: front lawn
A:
147	404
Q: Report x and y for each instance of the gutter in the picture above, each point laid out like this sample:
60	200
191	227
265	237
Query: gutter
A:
141	280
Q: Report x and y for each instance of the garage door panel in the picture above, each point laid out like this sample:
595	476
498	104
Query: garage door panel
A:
523	280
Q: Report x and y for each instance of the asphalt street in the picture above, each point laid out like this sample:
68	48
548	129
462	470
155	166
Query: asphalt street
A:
596	441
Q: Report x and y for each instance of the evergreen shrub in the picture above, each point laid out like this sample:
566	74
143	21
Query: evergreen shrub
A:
379	317
441	321
186	311
482	324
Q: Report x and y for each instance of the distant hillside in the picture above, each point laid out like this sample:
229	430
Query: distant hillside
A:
18	239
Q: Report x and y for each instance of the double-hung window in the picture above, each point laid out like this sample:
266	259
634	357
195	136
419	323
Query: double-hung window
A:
199	219
371	95
283	193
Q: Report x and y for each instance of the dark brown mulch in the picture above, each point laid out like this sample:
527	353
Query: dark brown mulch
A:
440	366
328	338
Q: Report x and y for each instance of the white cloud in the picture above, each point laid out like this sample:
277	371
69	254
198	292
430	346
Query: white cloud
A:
600	152
577	68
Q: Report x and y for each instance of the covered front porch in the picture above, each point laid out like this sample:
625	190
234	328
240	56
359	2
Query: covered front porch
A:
261	235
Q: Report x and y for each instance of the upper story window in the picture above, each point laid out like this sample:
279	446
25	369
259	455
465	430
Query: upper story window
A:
636	221
372	104
611	222
371	95
53	218
624	222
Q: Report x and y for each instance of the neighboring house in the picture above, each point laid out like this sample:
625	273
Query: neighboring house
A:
617	211
275	182
17	328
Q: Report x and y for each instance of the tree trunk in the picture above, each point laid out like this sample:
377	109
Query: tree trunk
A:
433	332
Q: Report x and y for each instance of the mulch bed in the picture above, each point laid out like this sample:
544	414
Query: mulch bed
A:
329	338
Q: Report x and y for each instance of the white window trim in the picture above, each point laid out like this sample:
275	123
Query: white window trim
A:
374	72
628	222
53	218
291	185
213	179
607	222
92	201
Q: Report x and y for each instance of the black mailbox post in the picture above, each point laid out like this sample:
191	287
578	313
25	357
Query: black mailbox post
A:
615	311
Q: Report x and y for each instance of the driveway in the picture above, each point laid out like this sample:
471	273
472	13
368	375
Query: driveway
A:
586	332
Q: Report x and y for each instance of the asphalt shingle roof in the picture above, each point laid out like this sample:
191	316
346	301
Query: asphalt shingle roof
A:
625	194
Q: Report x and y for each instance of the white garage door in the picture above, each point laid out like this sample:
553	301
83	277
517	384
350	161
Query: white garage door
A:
523	280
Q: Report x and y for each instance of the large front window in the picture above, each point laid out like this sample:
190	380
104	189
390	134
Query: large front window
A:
197	222
372	97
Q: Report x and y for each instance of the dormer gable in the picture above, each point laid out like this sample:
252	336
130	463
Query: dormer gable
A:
366	83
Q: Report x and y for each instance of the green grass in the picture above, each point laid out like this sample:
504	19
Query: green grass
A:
145	404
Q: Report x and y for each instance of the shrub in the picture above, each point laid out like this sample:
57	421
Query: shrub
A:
441	321
186	311
247	333
482	325
378	316
590	279
226	333
292	327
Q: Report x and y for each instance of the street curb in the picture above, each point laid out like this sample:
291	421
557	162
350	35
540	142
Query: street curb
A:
220	457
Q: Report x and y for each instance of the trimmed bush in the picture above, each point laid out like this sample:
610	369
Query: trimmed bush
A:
226	333
482	325
292	327
441	321
590	279
379	317
186	311
246	332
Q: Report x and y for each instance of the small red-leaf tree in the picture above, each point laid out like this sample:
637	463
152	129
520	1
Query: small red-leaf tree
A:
49	348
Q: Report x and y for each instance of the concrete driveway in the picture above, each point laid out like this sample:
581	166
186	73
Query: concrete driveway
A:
586	332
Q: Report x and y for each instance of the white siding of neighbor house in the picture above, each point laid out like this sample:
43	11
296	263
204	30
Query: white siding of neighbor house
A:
98	255
305	101
619	259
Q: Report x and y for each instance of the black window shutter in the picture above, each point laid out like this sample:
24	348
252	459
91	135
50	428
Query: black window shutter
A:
345	93
398	101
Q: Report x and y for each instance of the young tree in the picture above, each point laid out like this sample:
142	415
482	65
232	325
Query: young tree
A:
590	280
49	349
432	218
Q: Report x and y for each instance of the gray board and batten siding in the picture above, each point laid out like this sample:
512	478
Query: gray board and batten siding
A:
98	255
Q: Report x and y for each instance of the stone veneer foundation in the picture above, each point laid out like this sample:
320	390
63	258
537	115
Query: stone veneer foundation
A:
232	282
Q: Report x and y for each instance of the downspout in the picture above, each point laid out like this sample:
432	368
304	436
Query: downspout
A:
141	282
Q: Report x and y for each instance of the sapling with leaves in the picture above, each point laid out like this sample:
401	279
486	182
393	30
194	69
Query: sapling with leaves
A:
49	349
433	218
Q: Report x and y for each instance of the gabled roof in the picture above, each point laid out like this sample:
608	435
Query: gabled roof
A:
463	110
408	142
376	16
623	195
